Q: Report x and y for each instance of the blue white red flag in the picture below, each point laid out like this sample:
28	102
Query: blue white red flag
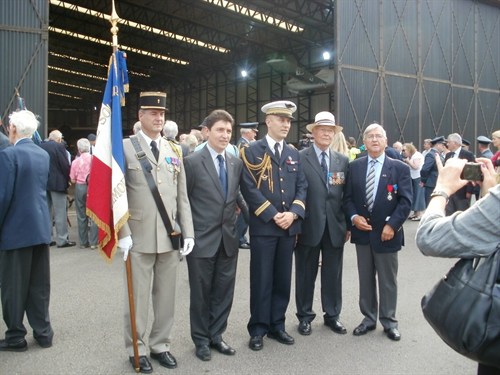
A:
107	201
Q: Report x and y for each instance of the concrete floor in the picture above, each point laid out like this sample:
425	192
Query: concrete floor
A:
87	304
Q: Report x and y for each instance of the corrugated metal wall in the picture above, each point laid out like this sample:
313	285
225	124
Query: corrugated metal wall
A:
421	68
23	49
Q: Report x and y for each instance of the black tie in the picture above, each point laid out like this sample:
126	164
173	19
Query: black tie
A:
154	150
324	167
222	175
277	150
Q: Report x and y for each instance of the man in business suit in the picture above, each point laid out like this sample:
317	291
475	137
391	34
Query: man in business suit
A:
57	186
429	171
460	200
275	189
213	179
323	229
378	201
24	236
154	260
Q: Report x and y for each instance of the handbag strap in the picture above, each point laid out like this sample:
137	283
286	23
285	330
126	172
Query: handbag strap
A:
146	168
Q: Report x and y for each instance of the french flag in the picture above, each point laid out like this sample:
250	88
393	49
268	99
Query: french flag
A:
107	201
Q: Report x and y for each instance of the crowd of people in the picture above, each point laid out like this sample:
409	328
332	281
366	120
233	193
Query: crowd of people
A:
305	201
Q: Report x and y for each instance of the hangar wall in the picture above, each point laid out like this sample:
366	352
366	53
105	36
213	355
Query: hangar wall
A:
24	49
421	68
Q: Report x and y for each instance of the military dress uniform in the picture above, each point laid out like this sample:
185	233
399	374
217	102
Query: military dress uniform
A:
271	185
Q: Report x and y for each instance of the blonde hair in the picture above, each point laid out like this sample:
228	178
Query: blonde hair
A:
339	144
410	149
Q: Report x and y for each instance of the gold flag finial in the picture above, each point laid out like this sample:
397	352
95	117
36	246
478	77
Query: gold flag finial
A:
114	29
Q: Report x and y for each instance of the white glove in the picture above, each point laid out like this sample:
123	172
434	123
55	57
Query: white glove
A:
188	246
125	244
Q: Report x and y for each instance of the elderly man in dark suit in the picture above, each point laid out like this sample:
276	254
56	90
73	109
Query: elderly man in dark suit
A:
429	171
24	236
57	186
213	178
323	229
275	188
460	200
378	201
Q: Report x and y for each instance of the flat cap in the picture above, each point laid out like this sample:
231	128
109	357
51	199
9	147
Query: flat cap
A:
465	142
483	140
249	125
283	108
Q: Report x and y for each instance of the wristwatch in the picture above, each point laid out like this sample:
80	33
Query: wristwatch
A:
295	216
440	193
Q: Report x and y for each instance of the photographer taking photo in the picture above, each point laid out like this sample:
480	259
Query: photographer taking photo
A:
464	234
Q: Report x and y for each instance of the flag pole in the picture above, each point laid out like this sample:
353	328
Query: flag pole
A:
128	266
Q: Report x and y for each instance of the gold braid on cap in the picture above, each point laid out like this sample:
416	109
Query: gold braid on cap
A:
264	170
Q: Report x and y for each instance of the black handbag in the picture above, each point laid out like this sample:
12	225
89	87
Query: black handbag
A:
464	308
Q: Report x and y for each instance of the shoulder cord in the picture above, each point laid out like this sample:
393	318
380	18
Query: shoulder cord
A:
259	169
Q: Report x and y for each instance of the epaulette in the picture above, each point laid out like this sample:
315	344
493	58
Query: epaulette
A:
259	172
176	148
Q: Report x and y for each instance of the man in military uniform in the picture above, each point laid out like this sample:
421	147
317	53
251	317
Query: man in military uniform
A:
429	171
483	146
275	188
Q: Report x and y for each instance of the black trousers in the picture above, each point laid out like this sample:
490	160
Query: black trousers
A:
211	281
306	270
25	275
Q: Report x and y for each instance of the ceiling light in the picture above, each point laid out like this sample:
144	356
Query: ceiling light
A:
77	73
65	95
326	55
255	15
140	26
74	86
244	73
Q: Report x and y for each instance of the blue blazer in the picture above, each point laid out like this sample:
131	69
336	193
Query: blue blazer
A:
59	166
24	214
283	187
393	211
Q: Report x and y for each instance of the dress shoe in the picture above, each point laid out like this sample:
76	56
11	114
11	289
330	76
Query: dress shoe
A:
362	329
166	359
256	343
245	246
84	246
44	343
67	244
282	337
203	353
336	326
393	333
144	364
20	346
223	348
52	243
305	328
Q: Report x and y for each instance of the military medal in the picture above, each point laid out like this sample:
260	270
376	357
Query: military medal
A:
390	189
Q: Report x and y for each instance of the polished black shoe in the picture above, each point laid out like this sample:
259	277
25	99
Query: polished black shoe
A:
223	348
245	246
362	330
67	244
305	328
144	364
166	359
256	343
282	337
20	346
203	353
393	333
336	326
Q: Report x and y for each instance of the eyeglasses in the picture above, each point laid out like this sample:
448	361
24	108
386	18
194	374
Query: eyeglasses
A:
372	137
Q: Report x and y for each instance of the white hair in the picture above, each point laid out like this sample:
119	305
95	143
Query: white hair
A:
55	135
137	127
25	122
170	129
455	137
83	145
372	127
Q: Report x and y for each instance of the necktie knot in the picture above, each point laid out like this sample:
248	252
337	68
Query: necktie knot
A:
154	150
277	150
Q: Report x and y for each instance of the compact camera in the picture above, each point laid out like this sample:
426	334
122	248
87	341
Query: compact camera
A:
472	172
